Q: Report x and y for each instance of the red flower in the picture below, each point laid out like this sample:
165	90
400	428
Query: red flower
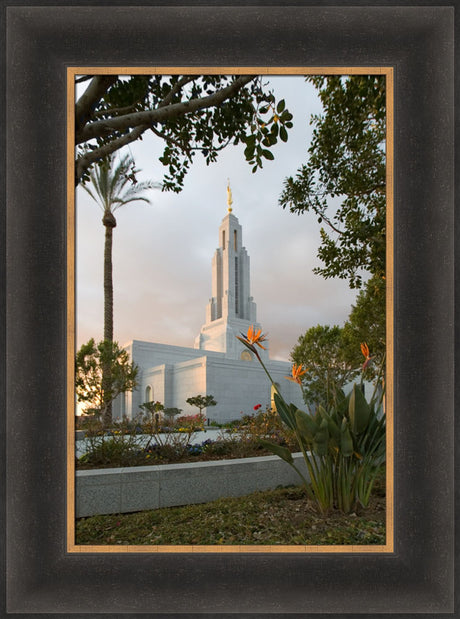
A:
257	406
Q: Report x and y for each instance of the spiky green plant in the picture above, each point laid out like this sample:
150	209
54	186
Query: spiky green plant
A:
343	447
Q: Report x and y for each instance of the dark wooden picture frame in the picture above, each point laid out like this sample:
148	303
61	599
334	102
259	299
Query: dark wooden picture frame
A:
41	576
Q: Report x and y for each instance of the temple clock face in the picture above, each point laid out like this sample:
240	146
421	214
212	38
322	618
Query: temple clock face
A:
246	356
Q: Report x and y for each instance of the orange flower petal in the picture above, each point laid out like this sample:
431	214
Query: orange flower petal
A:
254	337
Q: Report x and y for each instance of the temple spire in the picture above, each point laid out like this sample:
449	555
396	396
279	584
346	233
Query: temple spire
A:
229	196
231	309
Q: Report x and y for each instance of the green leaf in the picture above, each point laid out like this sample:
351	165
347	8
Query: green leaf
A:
250	139
281	105
283	411
283	134
278	450
268	154
249	151
358	410
320	444
334	429
346	442
306	426
342	402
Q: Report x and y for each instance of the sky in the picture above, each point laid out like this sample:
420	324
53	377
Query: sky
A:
162	251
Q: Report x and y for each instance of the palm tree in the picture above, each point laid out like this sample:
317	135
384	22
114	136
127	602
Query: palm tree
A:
112	186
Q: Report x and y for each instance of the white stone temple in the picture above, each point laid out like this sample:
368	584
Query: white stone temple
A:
218	364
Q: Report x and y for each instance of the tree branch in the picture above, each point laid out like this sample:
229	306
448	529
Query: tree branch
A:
83	78
378	188
90	98
330	224
171	140
104	128
129	108
116	110
185	79
84	162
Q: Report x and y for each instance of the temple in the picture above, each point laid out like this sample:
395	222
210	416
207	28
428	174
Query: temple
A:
218	364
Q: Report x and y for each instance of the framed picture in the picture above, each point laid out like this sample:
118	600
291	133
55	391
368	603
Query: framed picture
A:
45	573
172	367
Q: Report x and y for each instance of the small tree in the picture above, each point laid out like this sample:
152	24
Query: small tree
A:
320	351
152	411
152	408
366	323
201	401
89	385
172	412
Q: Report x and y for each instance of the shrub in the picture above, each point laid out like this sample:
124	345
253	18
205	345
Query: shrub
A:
265	425
115	447
193	422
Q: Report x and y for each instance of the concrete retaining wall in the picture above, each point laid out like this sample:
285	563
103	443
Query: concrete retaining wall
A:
113	491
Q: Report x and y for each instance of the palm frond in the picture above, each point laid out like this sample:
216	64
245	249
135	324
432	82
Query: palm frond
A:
111	185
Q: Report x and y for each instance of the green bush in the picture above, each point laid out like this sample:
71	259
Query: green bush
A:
265	425
114	447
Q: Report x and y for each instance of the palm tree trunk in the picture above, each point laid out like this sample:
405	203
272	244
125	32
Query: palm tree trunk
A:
109	222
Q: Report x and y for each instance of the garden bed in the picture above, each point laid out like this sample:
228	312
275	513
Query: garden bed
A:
124	446
217	450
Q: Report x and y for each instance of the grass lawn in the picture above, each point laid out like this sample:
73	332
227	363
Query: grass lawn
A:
282	516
